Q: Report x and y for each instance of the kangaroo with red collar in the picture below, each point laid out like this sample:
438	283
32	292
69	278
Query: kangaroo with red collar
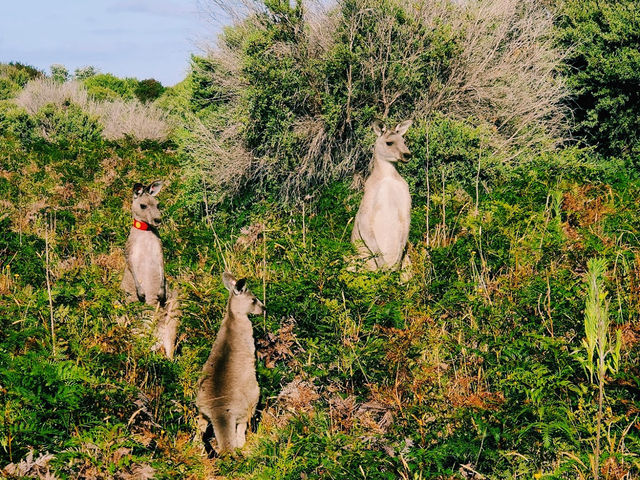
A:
143	278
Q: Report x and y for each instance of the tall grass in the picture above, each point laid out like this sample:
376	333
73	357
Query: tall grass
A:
598	343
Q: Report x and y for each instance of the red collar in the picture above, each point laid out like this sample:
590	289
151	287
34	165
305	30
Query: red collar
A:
140	225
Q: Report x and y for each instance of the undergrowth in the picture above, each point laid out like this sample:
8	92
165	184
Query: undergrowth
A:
473	365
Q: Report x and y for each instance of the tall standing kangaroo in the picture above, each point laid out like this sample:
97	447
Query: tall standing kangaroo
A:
143	278
228	390
381	227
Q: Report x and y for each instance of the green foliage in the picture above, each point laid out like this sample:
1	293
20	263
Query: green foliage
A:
82	73
597	342
15	122
59	73
67	125
603	47
21	251
19	73
14	76
176	99
148	90
205	92
8	89
43	401
105	86
596	325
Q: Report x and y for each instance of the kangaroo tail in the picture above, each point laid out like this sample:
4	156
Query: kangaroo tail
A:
168	323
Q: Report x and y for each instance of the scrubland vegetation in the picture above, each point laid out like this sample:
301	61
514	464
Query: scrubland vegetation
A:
512	353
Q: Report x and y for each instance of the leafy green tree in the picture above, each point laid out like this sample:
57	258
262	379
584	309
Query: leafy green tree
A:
59	73
603	43
105	86
148	90
82	73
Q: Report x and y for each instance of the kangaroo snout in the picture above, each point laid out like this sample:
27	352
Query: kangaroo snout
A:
259	308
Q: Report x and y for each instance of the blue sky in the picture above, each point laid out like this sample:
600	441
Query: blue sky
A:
129	38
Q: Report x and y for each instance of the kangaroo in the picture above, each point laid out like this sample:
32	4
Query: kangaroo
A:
381	227
143	278
228	390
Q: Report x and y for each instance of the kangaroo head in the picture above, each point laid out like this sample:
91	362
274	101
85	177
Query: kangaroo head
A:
241	300
145	205
390	145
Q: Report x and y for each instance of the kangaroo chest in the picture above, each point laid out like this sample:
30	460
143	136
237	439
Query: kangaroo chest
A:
387	195
145	257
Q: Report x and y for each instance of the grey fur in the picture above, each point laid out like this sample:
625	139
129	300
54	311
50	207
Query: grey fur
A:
228	390
381	228
143	277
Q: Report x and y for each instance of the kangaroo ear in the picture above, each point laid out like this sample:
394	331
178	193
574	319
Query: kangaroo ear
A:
155	188
138	189
402	128
241	286
378	127
229	281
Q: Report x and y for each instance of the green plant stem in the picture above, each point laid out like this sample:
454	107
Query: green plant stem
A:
53	331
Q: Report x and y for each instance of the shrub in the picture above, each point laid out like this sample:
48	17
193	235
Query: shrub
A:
302	87
98	85
19	73
131	119
148	90
604	71
118	118
59	73
39	93
82	73
14	76
16	122
8	89
67	124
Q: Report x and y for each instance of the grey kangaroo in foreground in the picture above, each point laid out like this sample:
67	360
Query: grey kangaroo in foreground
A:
143	278
381	227
228	390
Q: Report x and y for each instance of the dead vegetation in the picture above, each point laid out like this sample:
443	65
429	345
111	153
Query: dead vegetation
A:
119	118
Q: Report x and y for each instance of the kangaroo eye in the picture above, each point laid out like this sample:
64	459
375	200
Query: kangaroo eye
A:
389	143
143	206
254	300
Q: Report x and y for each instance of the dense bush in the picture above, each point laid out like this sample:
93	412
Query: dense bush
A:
148	90
16	122
105	86
67	124
118	118
8	89
14	76
604	71
299	87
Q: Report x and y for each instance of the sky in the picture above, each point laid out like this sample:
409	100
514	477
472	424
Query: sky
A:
128	38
